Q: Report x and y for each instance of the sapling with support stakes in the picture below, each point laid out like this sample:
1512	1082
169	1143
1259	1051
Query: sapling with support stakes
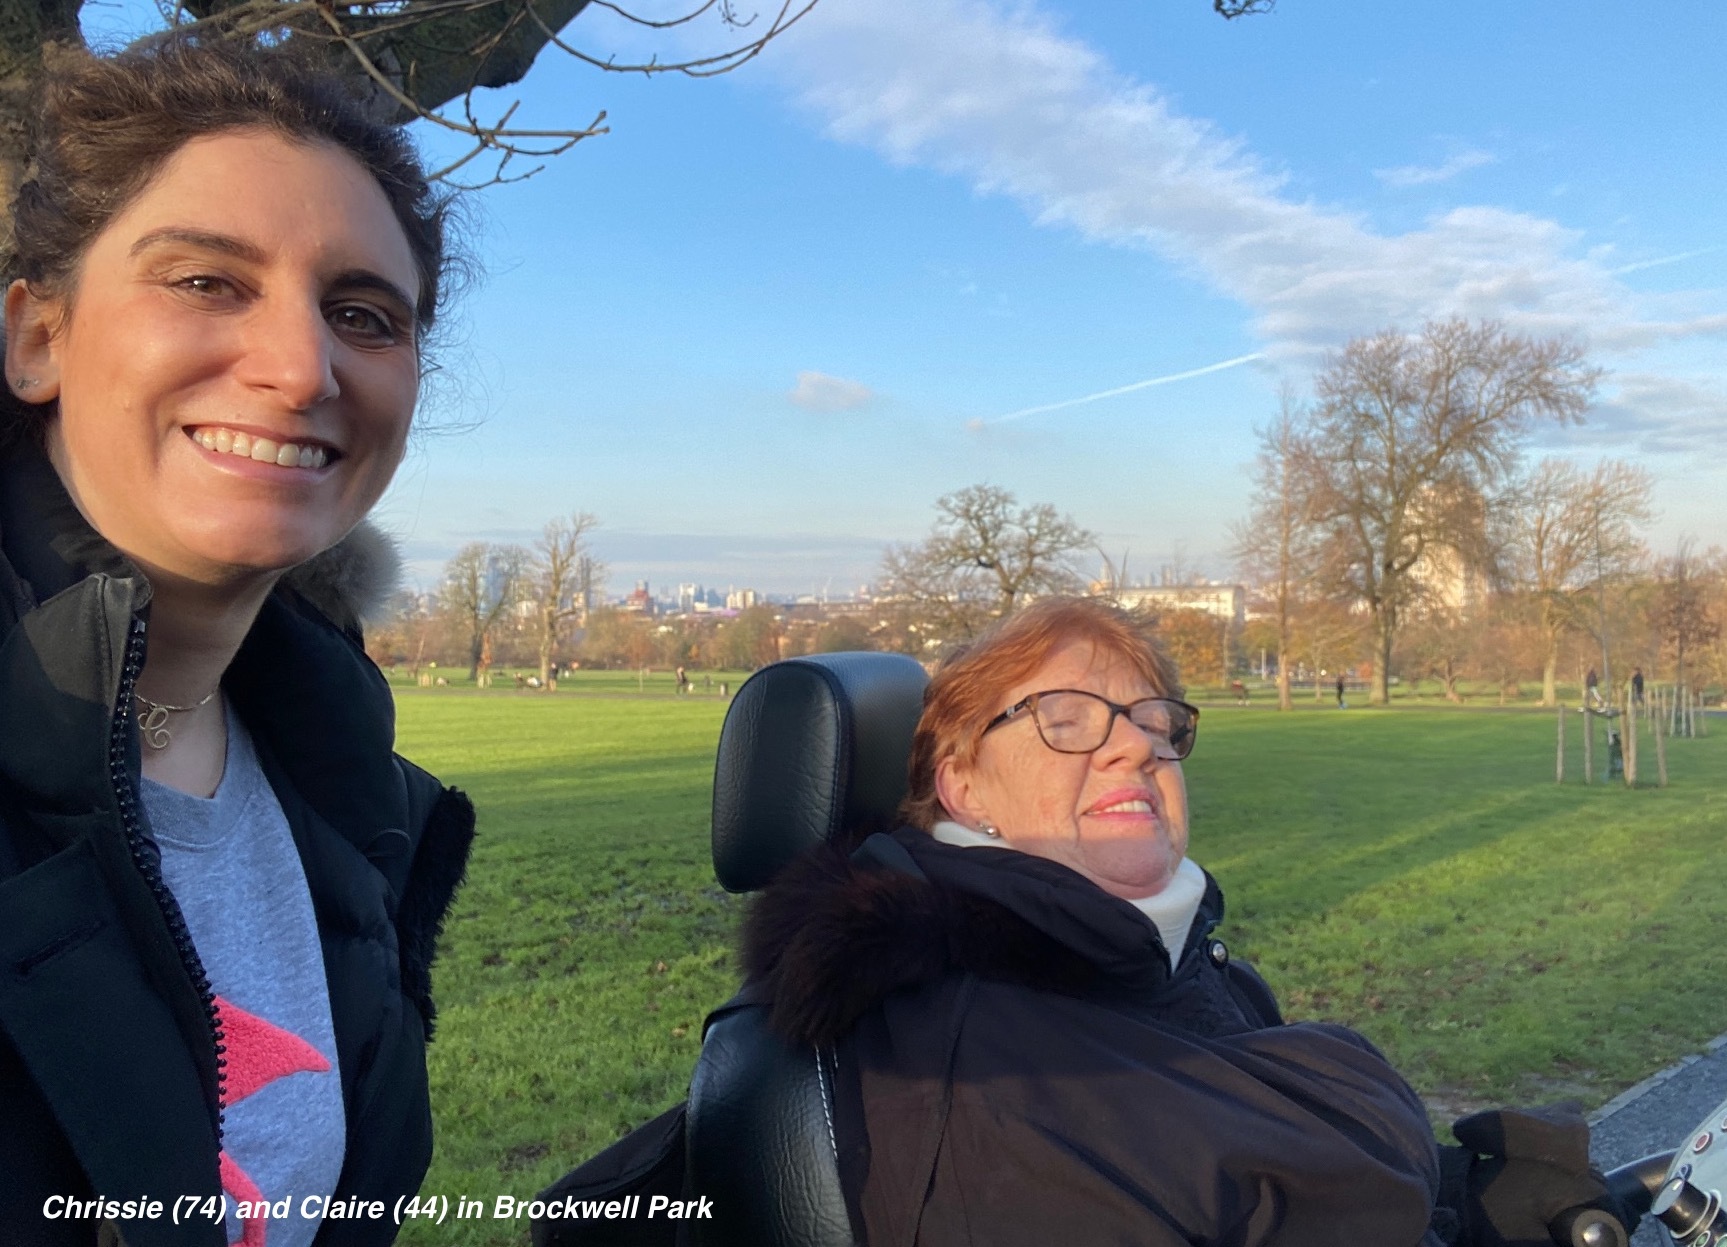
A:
1588	743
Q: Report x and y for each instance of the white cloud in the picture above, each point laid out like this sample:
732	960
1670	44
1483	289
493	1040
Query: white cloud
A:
1444	171
999	97
817	391
1657	414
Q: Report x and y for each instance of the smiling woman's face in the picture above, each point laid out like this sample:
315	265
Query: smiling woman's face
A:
1117	815
237	369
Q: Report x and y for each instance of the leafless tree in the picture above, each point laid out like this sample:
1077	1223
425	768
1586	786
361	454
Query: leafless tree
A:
985	553
1276	546
481	583
1683	622
1566	529
1411	440
1328	636
562	575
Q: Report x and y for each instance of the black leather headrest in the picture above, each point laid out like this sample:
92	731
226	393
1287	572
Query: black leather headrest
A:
812	749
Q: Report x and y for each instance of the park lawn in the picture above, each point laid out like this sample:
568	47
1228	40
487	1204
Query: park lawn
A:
1413	873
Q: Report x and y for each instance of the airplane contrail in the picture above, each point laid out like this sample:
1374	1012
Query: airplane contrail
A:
1120	389
1666	259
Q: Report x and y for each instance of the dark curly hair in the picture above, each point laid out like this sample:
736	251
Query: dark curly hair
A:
105	125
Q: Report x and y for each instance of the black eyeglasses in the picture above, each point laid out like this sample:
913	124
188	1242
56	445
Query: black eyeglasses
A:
1071	720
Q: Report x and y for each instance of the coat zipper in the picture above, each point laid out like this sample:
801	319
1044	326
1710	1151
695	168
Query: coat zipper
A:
127	794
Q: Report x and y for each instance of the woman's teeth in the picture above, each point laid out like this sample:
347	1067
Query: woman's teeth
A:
262	449
1127	807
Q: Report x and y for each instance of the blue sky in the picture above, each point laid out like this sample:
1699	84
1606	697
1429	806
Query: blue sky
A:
765	321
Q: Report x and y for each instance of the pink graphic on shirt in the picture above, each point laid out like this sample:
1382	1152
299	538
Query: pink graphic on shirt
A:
258	1053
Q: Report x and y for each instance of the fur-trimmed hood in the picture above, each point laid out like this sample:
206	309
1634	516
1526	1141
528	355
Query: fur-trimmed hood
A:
352	582
836	934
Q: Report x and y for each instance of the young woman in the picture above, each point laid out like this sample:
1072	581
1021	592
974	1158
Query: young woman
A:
219	887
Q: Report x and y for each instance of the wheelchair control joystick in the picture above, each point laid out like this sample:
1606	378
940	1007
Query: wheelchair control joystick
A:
1694	1218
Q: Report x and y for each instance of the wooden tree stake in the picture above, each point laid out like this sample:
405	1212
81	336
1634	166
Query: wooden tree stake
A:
1660	752
1559	756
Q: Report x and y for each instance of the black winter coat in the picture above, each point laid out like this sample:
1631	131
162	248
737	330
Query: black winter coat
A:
1018	1064
109	1067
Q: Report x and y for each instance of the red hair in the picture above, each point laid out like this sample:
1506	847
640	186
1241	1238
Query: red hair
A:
966	691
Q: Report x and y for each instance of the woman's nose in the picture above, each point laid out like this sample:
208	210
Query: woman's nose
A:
289	351
1127	742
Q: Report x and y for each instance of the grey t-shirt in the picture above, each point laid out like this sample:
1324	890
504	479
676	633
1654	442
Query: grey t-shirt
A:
231	864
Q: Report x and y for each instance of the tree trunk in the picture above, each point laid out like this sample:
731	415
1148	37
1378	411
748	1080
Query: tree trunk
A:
1385	631
548	636
475	647
420	649
1284	700
1550	673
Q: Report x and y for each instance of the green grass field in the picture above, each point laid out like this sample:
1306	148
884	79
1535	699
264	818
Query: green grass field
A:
1414	873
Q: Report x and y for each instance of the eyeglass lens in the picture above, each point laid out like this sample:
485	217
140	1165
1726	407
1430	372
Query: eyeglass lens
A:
1075	722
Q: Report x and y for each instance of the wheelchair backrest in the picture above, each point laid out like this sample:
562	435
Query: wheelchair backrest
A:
813	751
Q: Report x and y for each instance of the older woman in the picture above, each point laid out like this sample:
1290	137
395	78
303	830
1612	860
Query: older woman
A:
1039	1037
220	888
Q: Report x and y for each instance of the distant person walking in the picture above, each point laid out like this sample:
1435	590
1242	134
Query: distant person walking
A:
1341	687
683	681
1637	685
1592	688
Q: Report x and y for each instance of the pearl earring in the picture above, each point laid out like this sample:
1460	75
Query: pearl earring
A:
989	830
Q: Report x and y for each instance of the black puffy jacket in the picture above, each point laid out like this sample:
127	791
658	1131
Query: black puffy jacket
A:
1017	1063
109	1071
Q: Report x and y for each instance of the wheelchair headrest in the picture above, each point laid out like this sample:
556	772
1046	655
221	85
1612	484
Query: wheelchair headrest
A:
813	749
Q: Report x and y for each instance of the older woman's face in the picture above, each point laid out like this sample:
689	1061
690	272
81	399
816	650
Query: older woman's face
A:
237	368
1117	815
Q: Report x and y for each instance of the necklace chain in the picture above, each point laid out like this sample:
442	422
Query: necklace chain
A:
153	717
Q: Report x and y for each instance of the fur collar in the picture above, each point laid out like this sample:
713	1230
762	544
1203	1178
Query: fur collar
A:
835	935
352	582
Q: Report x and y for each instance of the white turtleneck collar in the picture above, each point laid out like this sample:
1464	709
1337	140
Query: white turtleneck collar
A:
1172	910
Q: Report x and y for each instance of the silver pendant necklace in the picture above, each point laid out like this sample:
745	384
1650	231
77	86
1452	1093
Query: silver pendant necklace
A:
153	717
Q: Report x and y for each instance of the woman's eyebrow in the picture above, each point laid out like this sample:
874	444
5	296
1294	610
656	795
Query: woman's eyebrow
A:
206	240
365	279
227	244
